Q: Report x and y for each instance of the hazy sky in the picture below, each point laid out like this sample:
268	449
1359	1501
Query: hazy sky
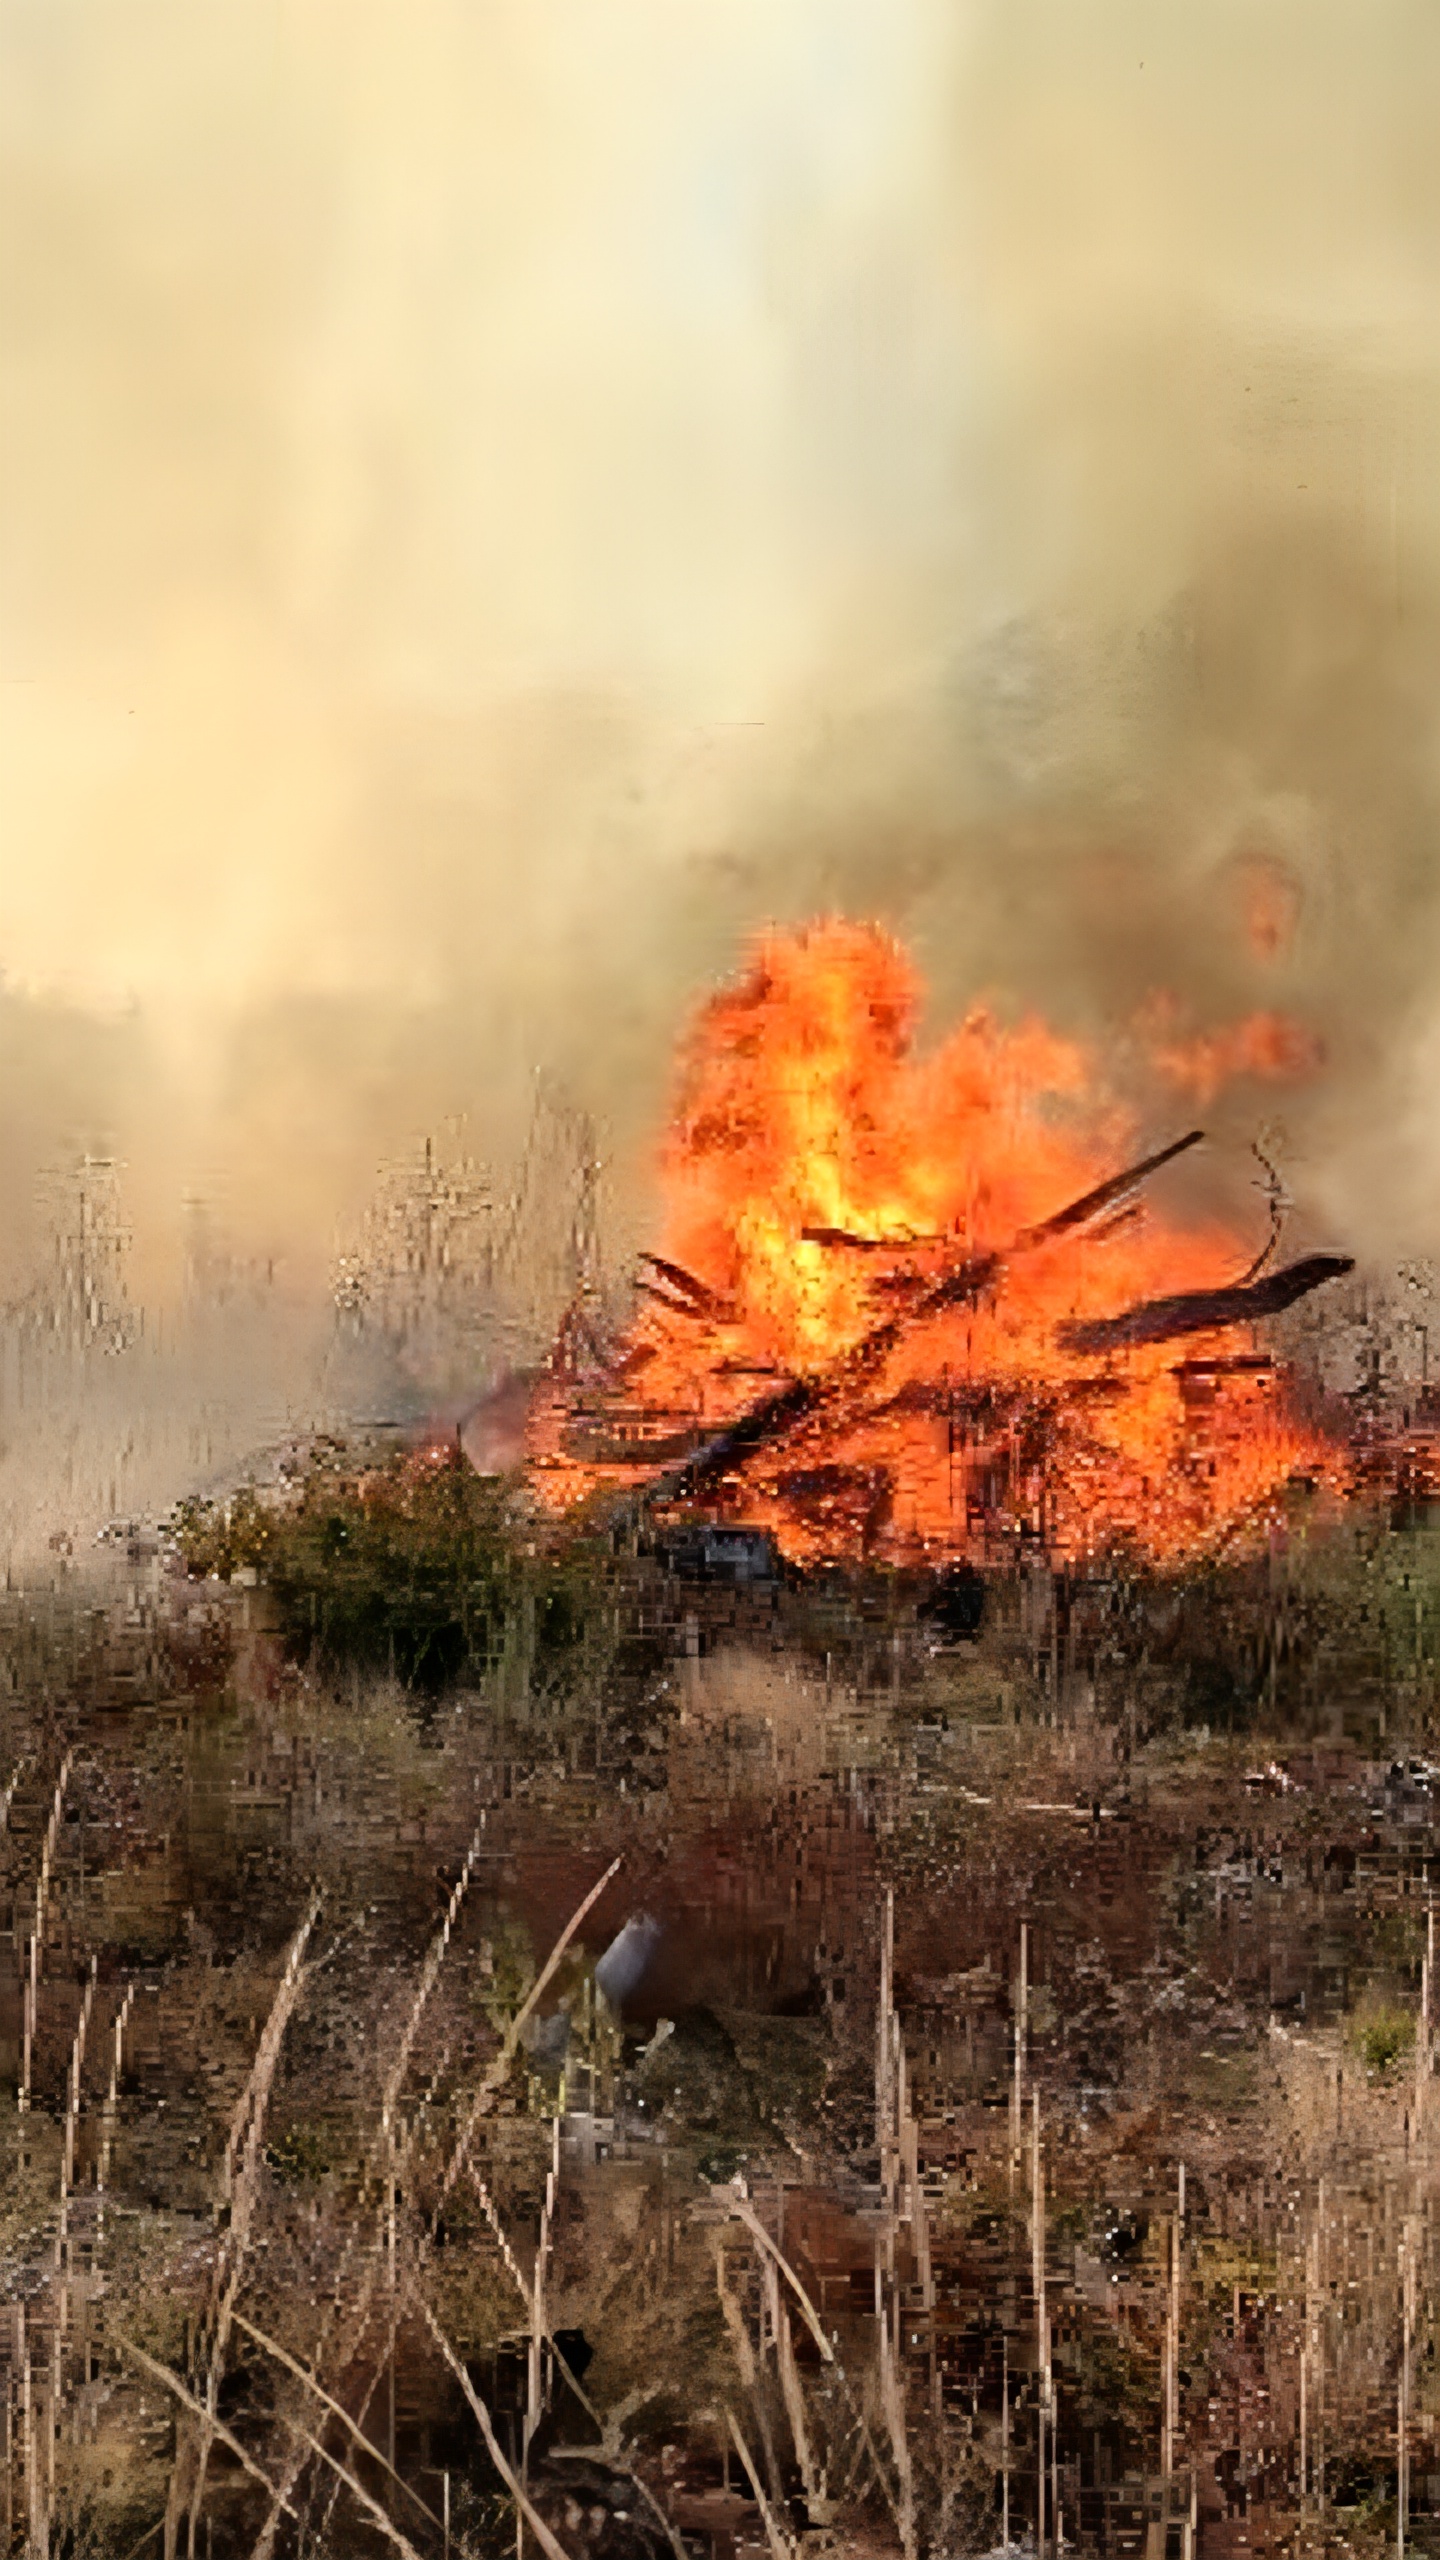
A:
499	500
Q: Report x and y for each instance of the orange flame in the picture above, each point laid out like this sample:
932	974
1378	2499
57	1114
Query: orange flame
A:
818	1174
1264	1045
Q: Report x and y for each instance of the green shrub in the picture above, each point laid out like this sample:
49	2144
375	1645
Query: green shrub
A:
224	1538
418	1567
1383	2035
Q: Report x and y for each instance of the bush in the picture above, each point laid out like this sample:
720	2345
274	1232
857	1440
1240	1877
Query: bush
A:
419	1568
224	1539
1383	2035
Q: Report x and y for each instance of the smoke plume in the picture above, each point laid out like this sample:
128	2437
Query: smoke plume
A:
500	504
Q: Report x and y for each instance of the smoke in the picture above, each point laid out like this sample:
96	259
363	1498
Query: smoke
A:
499	503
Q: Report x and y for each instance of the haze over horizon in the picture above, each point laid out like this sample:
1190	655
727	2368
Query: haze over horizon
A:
499	506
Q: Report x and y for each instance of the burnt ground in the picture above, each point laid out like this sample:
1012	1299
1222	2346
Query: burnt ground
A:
829	2227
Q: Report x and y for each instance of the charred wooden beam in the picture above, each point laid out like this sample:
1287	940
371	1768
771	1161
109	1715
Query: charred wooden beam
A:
700	1297
1092	1204
775	1414
765	1421
1234	1364
1205	1310
845	1239
970	1279
673	1304
1077	1213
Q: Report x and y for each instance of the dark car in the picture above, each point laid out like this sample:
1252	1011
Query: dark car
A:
738	1558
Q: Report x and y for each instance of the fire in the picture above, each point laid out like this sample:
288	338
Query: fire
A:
1263	1045
863	1269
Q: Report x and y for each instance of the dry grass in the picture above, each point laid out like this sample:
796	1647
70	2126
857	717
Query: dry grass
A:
228	2369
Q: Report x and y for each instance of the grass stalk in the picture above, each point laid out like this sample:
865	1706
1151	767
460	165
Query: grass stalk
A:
498	2070
265	2539
292	2364
553	2549
7	1795
535	2373
792	2394
603	2428
428	1978
172	2383
239	2187
60	2276
744	2211
385	2524
781	2545
112	2102
37	1934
